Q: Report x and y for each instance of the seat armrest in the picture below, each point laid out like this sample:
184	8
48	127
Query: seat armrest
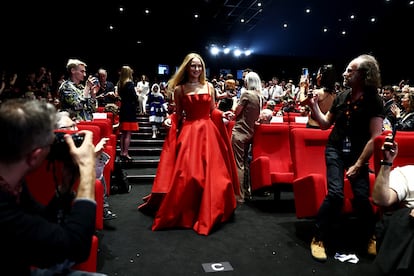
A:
260	173
309	192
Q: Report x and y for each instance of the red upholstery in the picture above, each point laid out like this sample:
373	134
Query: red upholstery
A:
95	129
405	156
106	131
291	116
91	263
271	159
42	187
309	167
294	124
308	158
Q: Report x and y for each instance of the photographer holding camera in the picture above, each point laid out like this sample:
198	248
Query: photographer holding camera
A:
31	234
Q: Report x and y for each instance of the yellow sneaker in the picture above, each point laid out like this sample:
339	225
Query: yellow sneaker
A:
372	246
318	250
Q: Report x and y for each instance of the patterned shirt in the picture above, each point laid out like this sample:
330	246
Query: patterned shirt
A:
73	101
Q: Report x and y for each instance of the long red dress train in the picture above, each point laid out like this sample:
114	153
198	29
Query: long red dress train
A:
196	182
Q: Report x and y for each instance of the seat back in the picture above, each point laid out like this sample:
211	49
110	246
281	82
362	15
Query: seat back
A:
96	131
41	184
309	169
308	151
105	126
273	141
405	156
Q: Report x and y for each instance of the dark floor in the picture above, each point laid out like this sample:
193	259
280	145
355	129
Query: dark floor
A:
264	238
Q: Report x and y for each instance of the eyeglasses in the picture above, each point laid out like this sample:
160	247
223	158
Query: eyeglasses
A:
70	127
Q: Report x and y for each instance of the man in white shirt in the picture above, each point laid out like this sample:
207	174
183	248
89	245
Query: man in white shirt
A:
395	231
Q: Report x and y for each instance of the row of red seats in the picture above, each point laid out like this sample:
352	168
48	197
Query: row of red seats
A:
282	154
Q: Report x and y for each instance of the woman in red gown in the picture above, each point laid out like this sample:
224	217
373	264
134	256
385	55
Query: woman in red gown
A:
196	183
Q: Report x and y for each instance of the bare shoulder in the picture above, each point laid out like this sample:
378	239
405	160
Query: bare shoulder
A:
210	87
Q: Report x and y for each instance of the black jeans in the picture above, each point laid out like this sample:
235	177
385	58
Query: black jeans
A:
331	208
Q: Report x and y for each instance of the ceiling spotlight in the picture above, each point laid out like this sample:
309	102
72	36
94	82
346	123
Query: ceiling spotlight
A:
214	50
237	52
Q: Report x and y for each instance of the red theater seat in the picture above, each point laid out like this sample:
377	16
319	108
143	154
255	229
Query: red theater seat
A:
271	159
41	185
308	159
309	167
405	156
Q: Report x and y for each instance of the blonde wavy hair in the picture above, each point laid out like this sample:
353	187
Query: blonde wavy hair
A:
181	76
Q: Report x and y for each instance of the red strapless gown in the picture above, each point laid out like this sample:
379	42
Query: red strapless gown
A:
196	181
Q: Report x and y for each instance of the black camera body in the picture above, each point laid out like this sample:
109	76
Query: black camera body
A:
59	150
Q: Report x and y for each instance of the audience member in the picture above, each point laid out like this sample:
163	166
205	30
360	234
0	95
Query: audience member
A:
356	115
142	89
276	92
33	235
289	106
106	93
75	97
388	98
247	113
404	119
128	111
9	88
196	181
228	99
158	109
265	116
304	111
394	191
325	82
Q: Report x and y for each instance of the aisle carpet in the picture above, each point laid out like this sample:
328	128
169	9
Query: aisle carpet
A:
264	238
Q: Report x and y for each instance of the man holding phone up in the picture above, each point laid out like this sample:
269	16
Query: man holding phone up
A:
395	232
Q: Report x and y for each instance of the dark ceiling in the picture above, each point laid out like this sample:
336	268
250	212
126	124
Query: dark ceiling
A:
37	31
